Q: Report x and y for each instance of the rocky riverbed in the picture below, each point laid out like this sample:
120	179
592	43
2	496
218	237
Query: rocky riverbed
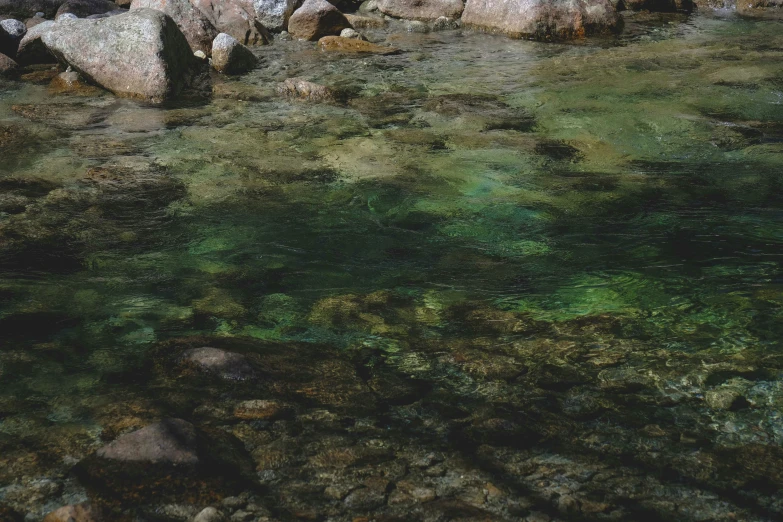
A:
413	272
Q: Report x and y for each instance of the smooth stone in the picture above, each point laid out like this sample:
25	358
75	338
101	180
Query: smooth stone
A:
315	19
231	57
210	514
226	365
366	22
73	513
259	409
170	440
11	33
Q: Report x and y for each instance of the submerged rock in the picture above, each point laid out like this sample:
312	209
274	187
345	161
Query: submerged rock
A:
164	461
353	46
198	30
302	89
73	513
214	361
421	9
365	22
316	18
71	82
231	57
542	19
274	14
140	54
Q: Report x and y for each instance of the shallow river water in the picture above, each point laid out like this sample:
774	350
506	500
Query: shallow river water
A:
494	280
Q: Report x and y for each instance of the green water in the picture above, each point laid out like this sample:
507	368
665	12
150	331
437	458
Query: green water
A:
531	229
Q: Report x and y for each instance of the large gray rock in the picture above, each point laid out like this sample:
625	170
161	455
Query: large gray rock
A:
27	8
231	57
32	49
315	19
761	8
542	19
85	8
421	9
198	30
140	54
274	14
11	33
236	18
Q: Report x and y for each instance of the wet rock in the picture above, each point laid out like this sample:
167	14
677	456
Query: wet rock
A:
365	499
198	30
159	66
71	82
214	361
32	49
274	14
210	514
231	57
542	19
490	114
85	8
236	18
725	398
75	513
302	89
11	33
8	67
366	22
353	46
772	9
443	23
260	410
166	461
315	19
424	10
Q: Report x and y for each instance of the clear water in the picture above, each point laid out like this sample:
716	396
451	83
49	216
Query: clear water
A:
584	239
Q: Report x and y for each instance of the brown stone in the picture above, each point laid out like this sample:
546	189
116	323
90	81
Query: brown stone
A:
78	513
8	67
316	18
353	46
302	89
236	18
365	22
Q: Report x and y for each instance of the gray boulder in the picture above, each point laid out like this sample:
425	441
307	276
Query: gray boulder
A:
140	54
274	14
198	30
236	18
171	440
85	8
11	33
32	49
231	57
542	19
316	19
424	10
